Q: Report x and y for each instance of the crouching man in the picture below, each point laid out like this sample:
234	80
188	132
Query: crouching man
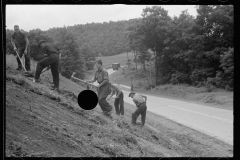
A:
51	59
118	103
140	102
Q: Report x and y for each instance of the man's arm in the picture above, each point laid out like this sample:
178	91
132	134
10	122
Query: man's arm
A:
112	93
105	77
145	98
118	94
27	43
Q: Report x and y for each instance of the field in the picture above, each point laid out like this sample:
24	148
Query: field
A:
120	58
45	123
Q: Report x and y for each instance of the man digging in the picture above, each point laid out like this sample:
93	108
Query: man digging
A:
51	59
21	45
101	76
118	103
140	102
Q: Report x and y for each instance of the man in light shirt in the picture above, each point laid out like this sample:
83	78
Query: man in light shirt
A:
119	102
140	102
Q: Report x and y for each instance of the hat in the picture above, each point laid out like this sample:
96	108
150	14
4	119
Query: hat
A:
131	93
40	42
98	61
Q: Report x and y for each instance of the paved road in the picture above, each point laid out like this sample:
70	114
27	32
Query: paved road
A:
212	121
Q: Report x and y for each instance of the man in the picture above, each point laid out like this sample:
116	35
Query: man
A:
118	103
51	59
131	87
101	76
140	102
21	45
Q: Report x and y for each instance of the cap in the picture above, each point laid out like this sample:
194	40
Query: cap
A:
131	93
40	42
98	61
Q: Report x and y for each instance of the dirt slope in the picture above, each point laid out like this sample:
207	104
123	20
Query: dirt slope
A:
42	123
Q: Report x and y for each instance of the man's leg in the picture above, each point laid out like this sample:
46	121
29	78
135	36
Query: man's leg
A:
135	115
55	74
105	106
27	60
103	93
42	64
143	115
116	104
121	102
20	53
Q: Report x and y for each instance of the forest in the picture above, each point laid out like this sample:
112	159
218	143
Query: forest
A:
190	50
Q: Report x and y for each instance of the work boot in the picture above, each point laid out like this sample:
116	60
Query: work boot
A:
55	89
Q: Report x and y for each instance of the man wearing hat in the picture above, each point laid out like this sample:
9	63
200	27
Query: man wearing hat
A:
51	59
101	76
140	102
21	44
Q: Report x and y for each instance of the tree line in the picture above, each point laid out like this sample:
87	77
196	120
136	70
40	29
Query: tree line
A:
196	51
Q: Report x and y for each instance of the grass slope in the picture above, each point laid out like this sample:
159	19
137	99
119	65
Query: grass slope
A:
44	123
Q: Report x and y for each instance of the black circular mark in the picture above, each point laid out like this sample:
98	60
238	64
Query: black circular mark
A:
87	99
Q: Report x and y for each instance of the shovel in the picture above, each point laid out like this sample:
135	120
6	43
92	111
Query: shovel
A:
21	62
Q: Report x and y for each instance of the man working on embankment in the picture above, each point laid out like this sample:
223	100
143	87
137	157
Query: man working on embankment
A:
21	45
101	76
118	103
51	54
140	102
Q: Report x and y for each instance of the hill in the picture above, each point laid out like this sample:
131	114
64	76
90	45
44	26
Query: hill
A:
43	123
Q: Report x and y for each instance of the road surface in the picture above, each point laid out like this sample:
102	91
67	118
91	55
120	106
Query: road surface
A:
215	122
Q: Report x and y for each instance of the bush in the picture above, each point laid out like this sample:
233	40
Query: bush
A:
90	65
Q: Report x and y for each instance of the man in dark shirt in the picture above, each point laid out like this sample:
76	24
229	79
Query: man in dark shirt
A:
51	59
101	76
21	44
118	103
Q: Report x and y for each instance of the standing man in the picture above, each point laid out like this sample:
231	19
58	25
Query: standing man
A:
101	76
140	102
51	59
118	103
21	45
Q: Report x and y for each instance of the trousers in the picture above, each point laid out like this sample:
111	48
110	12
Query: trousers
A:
20	51
119	105
53	61
141	109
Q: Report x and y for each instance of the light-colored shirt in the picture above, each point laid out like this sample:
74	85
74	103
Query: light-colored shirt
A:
115	90
138	99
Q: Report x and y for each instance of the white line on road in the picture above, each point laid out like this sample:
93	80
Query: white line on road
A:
222	119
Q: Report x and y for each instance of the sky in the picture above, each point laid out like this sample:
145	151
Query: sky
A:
44	17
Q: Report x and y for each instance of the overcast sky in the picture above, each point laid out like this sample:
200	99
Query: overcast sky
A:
44	17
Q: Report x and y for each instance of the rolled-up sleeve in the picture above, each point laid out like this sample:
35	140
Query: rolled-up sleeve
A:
105	75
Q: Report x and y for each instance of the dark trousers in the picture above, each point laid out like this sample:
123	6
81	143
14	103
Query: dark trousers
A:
141	109
102	95
20	51
53	61
119	105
